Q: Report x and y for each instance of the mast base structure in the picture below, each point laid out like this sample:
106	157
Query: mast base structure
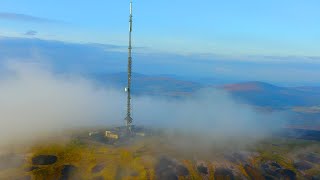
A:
129	120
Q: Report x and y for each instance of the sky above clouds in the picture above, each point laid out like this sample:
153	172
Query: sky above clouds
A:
231	27
233	40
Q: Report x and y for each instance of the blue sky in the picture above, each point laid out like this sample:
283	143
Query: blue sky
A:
229	27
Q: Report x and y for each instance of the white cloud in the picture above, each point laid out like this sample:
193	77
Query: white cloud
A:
35	101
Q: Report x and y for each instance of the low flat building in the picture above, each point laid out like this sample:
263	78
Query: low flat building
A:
111	135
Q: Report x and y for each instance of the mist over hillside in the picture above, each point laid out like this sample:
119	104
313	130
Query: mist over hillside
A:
48	102
101	66
254	93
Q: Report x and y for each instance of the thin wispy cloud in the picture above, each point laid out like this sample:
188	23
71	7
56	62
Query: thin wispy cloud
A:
25	18
31	33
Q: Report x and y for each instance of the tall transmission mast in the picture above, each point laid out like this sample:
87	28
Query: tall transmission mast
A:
129	119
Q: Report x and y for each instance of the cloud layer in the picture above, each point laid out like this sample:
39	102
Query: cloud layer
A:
24	17
35	101
31	33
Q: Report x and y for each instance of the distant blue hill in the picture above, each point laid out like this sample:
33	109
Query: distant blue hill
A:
150	85
254	93
264	94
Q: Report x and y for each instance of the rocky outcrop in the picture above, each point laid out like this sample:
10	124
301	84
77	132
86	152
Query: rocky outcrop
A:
44	160
181	170
223	173
68	172
202	169
164	170
273	170
170	170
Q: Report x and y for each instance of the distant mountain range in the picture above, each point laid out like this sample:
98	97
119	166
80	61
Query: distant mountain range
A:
163	85
264	94
254	93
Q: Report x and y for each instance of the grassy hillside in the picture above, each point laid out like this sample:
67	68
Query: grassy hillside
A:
158	157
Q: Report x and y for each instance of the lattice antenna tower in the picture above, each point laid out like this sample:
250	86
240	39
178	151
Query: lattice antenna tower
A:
128	118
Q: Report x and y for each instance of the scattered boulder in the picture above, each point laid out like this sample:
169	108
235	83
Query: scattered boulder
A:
273	170
275	164
288	174
182	171
165	170
202	169
98	168
168	169
68	172
168	175
44	160
223	173
303	165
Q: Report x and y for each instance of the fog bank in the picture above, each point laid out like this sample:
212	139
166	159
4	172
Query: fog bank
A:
36	101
